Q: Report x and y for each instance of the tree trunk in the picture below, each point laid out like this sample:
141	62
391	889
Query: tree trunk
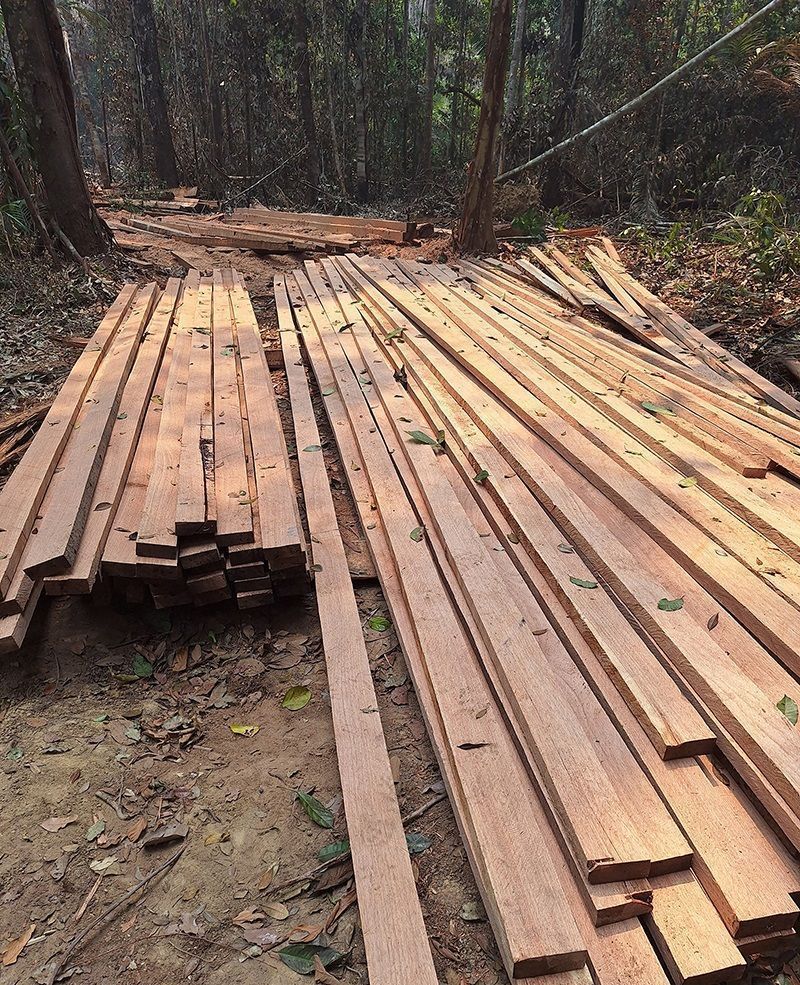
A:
568	53
475	233
37	48
83	97
426	151
358	27
145	39
514	80
337	158
304	98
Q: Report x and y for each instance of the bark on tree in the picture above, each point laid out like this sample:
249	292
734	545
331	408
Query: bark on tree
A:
514	80
358	27
475	233
37	48
145	39
426	150
567	56
304	98
337	157
83	98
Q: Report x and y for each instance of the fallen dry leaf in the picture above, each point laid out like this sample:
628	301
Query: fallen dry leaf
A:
15	948
321	976
278	911
248	916
54	824
137	829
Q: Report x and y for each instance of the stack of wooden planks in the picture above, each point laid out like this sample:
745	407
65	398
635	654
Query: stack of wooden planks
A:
269	231
161	464
591	555
364	230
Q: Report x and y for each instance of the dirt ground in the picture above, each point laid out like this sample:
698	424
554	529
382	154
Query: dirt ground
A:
120	743
117	751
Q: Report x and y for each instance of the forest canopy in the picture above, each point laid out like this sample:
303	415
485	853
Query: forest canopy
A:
338	102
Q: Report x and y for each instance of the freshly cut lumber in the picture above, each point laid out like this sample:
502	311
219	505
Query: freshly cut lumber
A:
392	923
121	449
54	543
157	533
25	488
232	494
13	628
191	513
689	935
119	554
525	676
529	915
279	524
362	229
673	726
197	552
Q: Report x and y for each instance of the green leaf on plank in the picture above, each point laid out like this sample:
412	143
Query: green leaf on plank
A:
657	408
670	605
688	482
416	534
788	708
582	582
481	477
313	448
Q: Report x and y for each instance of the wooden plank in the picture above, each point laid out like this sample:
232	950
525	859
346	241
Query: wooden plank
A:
279	519
673	726
157	534
743	868
119	554
191	512
234	516
528	913
619	954
54	541
690	937
25	488
121	449
392	924
14	628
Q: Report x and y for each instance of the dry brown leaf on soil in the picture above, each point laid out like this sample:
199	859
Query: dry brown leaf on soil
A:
53	824
276	910
321	976
137	829
266	879
13	950
181	660
248	916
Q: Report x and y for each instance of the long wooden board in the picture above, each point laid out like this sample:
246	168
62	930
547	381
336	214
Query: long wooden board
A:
55	539
394	933
24	491
520	908
191	514
133	406
234	516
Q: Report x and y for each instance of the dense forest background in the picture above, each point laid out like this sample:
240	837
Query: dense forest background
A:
344	103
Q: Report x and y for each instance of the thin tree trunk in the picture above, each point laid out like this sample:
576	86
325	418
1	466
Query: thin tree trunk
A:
358	34
145	39
514	80
337	158
16	179
37	47
644	98
475	233
83	96
568	53
426	152
304	98
406	94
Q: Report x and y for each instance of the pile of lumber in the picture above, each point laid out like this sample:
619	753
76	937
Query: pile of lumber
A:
277	232
161	464
591	554
364	230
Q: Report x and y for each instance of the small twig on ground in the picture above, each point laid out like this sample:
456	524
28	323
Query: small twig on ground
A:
417	814
76	941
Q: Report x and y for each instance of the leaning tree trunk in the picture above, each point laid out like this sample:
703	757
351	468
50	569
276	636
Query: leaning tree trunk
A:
145	39
304	98
475	233
37	48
